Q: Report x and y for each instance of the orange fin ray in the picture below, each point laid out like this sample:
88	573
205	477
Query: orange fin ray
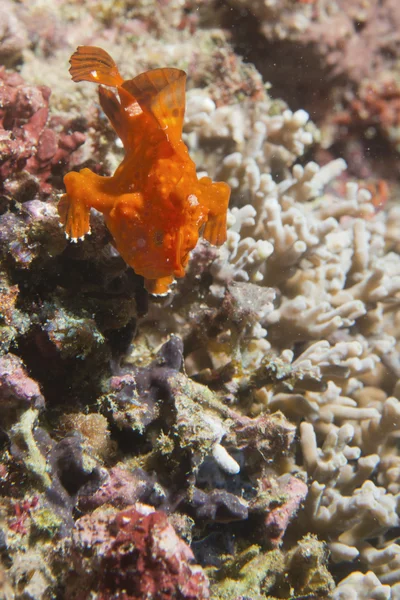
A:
90	63
161	92
74	211
216	198
215	230
75	217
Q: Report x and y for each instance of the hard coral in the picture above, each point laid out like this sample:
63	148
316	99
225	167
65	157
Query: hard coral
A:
27	144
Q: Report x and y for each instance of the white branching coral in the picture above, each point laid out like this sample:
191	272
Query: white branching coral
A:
368	512
362	586
335	267
260	133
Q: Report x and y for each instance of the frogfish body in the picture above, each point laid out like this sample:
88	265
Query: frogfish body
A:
154	205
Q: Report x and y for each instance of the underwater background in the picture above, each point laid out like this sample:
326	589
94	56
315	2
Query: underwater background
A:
238	437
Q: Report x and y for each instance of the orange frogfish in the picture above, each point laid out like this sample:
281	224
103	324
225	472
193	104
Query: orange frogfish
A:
154	205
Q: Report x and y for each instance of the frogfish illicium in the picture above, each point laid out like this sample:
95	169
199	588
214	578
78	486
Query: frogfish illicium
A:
154	205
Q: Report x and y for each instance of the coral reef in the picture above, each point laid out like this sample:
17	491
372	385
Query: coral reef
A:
238	438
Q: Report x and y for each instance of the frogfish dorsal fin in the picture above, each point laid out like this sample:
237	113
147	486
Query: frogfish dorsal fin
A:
161	92
90	63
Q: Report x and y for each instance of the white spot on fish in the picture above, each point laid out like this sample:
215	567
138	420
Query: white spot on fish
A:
133	109
193	201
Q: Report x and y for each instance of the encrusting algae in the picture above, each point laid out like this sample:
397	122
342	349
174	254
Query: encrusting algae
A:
154	205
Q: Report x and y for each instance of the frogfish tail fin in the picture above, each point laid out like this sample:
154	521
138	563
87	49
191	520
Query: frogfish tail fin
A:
90	63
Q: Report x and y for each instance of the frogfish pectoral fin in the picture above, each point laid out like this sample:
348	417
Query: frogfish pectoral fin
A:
215	230
216	198
73	210
160	286
90	63
75	218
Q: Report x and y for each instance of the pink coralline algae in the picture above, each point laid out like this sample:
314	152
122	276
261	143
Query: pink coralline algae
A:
280	516
141	556
26	143
148	560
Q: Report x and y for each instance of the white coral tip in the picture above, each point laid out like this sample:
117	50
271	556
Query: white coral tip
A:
301	117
